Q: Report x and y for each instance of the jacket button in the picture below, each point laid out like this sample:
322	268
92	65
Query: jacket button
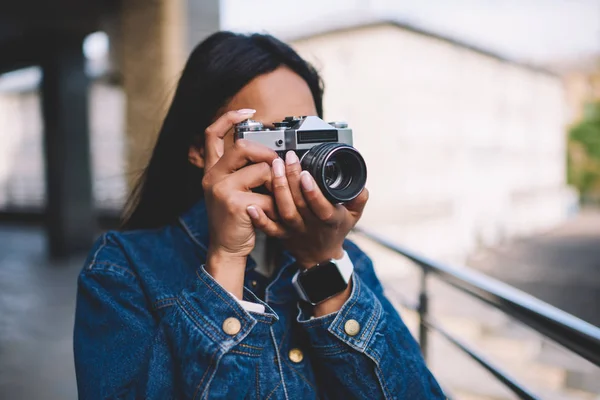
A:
231	326
295	355
352	327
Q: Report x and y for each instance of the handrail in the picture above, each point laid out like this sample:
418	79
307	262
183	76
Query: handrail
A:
569	331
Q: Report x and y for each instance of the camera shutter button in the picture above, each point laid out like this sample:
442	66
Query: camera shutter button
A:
339	124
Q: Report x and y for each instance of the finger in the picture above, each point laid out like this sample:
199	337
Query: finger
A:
292	171
319	205
214	134
357	205
283	197
264	202
250	177
243	153
265	224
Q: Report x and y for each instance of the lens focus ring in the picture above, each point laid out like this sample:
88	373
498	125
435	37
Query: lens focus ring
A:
339	170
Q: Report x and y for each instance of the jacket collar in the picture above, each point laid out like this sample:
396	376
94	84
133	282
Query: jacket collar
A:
195	223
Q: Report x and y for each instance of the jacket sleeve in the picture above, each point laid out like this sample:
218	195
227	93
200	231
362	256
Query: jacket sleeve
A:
124	345
364	350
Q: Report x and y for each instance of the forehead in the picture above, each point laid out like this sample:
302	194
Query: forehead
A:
275	95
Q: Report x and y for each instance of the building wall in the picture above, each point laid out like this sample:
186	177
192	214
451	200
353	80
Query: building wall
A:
463	149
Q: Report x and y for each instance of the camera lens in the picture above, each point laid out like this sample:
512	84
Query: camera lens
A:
338	169
334	176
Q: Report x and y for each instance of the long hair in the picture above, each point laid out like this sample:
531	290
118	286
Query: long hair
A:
216	70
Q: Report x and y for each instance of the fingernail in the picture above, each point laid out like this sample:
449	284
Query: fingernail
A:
307	181
278	167
291	158
246	111
253	212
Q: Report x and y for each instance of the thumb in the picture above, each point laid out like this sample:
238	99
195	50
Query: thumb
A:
357	205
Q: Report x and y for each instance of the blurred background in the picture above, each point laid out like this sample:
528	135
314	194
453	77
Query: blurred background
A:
479	121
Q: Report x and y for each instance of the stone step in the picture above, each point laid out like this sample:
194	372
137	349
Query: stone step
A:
464	328
562	395
465	379
566	394
459	374
580	374
462	395
515	357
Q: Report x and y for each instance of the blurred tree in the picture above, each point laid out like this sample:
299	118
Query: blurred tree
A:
583	166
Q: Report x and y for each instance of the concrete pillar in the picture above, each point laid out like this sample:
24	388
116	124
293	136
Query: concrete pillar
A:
156	37
69	210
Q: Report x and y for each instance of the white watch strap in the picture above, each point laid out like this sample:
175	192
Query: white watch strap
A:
345	266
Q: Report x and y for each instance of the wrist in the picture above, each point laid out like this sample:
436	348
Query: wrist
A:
228	270
309	262
327	286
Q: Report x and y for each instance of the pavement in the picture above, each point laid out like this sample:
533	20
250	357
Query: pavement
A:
37	297
37	303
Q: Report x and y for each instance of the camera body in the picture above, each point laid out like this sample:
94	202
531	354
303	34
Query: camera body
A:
324	149
295	133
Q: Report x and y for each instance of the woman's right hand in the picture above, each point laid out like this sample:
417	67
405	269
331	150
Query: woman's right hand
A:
228	182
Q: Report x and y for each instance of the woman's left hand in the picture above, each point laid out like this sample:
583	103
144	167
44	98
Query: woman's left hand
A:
316	227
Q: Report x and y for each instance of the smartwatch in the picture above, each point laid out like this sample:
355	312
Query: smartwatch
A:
324	280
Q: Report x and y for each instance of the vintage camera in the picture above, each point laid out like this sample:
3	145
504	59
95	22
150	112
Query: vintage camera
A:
324	149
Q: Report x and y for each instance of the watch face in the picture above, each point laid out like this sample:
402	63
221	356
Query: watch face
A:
322	281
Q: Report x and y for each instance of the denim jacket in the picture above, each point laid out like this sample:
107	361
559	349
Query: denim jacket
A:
150	324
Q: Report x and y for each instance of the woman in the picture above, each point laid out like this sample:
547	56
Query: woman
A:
189	300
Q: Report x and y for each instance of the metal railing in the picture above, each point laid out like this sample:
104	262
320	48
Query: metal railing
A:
574	334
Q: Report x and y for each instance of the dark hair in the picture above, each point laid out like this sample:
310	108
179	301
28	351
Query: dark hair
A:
216	70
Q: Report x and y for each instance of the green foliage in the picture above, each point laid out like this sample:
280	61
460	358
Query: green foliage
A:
584	153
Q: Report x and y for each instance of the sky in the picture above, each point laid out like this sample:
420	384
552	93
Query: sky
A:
531	31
